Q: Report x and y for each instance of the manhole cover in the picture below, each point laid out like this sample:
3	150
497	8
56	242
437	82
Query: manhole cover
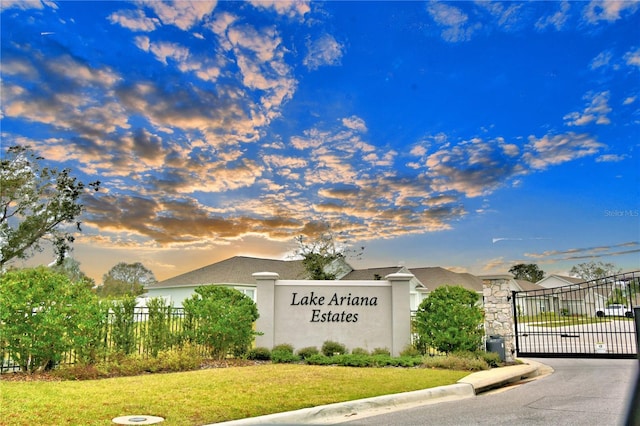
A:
137	420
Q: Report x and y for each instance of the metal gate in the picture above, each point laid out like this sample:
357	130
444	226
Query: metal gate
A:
591	319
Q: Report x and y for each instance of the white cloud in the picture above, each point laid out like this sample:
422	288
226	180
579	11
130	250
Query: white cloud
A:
290	8
184	14
355	123
611	158
608	10
135	20
602	60
21	4
557	20
596	110
552	150
323	51
629	100
632	57
454	20
473	167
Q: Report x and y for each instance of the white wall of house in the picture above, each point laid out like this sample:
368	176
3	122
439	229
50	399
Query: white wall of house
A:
177	295
553	281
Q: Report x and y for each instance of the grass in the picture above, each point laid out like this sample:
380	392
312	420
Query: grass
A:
206	396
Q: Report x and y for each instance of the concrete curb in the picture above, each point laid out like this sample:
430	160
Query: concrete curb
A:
483	381
327	413
468	387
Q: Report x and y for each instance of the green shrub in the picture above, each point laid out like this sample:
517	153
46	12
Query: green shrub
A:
283	347
319	359
259	354
330	348
40	318
492	359
359	351
450	319
283	357
453	362
353	360
158	333
381	351
305	353
220	318
283	353
123	325
89	336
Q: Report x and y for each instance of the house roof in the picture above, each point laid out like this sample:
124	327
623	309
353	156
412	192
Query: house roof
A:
373	273
434	277
240	270
528	285
236	270
568	280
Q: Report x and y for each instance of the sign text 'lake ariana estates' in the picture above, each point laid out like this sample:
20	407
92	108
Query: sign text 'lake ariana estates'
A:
336	300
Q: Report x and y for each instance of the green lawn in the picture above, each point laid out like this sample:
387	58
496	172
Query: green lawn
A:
206	396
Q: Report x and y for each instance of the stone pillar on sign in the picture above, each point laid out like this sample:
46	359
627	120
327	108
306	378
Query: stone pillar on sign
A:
498	309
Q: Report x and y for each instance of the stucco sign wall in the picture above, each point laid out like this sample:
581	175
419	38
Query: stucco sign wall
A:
365	314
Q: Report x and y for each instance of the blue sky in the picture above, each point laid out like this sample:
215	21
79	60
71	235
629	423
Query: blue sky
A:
468	135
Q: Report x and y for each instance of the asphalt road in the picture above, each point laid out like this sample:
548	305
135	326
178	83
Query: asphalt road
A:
579	392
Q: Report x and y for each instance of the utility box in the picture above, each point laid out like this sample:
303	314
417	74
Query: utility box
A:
496	344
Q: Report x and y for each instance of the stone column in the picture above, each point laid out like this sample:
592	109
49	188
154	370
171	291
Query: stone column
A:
498	311
400	311
265	301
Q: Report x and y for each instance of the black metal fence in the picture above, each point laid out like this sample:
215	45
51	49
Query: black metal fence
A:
137	333
589	319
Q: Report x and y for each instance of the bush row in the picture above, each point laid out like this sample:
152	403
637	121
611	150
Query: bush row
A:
333	353
48	320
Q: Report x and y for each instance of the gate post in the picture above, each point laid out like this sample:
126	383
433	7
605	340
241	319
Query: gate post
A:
636	318
498	318
633	412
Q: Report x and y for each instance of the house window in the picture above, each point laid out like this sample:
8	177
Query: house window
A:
250	292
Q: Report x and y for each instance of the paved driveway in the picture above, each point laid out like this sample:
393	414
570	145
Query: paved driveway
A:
579	392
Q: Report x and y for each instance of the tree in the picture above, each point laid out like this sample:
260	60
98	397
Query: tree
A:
319	253
594	270
126	279
529	272
450	319
71	268
35	204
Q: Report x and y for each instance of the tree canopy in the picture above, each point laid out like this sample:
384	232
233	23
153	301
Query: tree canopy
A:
126	279
320	252
594	270
529	272
35	203
71	268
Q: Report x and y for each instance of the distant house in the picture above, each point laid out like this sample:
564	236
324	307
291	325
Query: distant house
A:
553	281
236	272
573	295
